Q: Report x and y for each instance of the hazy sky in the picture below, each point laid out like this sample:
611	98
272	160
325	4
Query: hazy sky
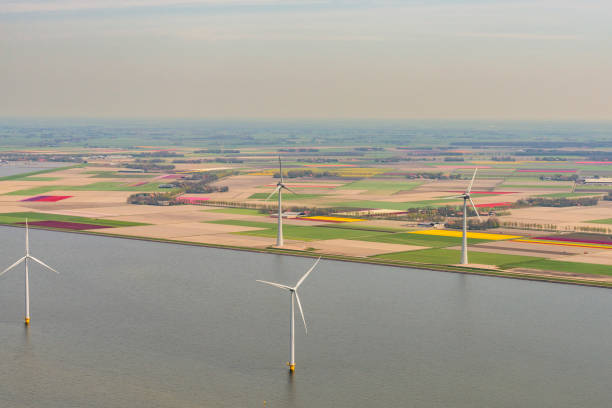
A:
536	59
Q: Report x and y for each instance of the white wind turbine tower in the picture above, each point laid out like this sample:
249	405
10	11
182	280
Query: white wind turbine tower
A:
25	259
466	196
279	187
293	294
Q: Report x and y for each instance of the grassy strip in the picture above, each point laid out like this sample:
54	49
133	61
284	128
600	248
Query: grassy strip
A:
453	256
298	232
114	174
431	241
17	217
286	197
562	266
568	195
35	173
100	186
359	227
536	186
603	221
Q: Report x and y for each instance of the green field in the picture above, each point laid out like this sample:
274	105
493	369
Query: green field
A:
99	186
452	256
359	226
114	174
380	186
603	221
568	195
431	241
243	211
536	186
286	196
573	267
298	232
19	217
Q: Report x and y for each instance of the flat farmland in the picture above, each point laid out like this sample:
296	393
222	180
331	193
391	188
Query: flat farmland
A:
303	233
99	192
452	257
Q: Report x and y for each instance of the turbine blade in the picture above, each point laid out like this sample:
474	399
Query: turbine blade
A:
280	168
278	285
288	189
276	190
306	274
297	297
472	182
447	198
13	265
43	264
475	209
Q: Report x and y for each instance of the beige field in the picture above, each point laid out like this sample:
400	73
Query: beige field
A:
359	249
563	217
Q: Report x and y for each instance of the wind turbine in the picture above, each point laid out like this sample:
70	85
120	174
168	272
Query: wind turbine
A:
25	259
293	294
279	187
466	196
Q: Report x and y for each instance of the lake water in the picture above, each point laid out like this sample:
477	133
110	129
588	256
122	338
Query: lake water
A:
141	324
13	168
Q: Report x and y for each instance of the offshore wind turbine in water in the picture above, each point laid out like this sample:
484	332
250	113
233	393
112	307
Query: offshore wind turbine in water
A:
467	196
26	258
294	297
279	189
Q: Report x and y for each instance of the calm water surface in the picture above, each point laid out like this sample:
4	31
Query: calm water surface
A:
141	324
13	168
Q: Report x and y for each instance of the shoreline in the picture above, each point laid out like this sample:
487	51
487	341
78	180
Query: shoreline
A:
467	270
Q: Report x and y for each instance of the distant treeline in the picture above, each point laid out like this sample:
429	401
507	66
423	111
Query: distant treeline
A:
316	152
306	173
151	198
217	151
560	177
393	159
162	153
474	224
588	154
317	160
216	160
550	158
433	176
62	158
536	144
557	202
148	166
301	150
